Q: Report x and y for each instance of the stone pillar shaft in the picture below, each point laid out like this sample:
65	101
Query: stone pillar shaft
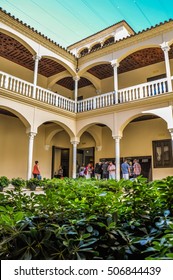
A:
166	49
30	154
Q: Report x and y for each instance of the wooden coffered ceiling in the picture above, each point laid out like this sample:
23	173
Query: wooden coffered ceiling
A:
68	82
134	61
14	51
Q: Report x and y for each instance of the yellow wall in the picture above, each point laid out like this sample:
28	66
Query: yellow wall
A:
140	75
21	72
62	91
16	70
87	92
134	77
86	141
13	147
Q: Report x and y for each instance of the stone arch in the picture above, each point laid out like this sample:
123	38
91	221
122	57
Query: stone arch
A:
57	77
131	51
95	46
170	42
163	113
20	115
51	135
60	121
81	71
60	62
22	41
93	133
83	51
88	124
107	39
95	81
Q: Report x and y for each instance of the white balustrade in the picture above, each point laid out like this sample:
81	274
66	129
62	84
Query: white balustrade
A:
22	87
129	94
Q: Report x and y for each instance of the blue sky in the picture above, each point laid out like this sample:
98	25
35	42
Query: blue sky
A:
68	21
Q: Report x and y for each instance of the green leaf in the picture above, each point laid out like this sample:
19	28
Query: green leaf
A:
18	216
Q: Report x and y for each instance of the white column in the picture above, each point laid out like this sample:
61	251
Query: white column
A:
117	156
74	143
36	59
115	65
76	79
165	47
30	153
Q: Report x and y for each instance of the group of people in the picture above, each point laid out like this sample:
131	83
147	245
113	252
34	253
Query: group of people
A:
107	170
130	170
101	170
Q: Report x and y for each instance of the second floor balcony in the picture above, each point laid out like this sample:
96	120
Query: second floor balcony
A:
125	95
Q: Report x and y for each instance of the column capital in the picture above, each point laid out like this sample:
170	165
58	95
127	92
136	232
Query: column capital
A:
29	131
31	134
165	47
75	140
36	57
76	78
47	147
171	132
114	63
98	148
117	137
98	91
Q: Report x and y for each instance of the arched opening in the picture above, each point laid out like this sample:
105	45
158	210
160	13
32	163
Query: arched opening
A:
141	137
53	148
84	52
108	41
93	146
95	47
86	150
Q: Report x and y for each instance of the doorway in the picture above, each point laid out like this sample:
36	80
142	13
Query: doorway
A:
60	156
85	156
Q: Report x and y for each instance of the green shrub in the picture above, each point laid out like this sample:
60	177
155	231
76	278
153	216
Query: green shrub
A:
18	183
4	182
89	219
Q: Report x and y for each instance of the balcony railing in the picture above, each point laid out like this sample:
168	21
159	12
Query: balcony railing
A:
24	88
124	95
133	93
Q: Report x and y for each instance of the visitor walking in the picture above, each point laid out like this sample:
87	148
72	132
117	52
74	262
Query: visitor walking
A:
36	171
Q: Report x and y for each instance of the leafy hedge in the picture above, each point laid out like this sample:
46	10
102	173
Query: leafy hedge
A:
89	219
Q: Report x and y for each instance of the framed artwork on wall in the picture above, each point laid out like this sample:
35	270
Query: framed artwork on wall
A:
162	153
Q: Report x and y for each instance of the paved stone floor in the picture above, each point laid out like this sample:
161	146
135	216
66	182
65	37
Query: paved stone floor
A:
38	190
